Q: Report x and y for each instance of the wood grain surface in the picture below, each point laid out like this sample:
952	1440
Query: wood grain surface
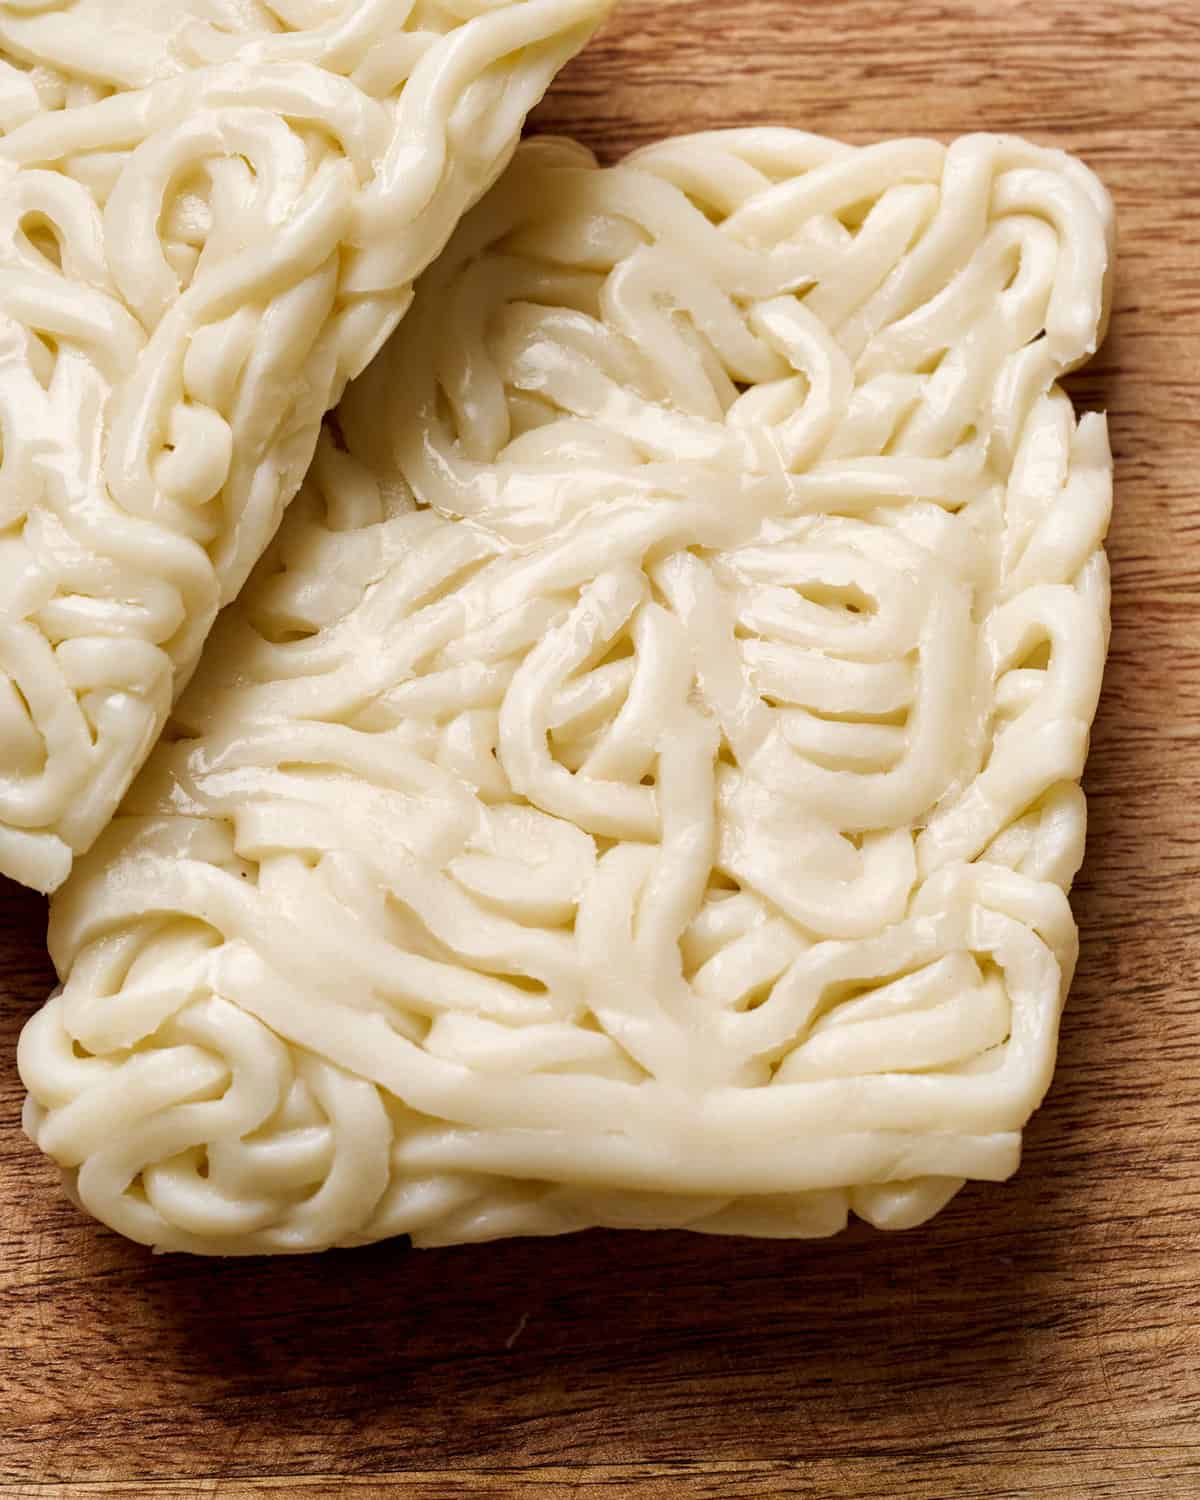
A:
1038	1339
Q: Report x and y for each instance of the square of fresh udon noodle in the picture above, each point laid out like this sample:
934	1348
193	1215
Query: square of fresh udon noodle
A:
640	785
211	216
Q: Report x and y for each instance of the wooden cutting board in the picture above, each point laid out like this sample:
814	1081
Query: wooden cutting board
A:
1038	1339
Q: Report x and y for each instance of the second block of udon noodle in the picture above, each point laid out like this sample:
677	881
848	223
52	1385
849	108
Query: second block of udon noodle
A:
640	785
211	215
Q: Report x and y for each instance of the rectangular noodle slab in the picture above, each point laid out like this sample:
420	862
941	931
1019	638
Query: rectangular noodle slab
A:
640	784
211	216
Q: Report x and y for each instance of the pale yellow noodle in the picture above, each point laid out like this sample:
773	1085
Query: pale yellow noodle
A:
640	785
211	216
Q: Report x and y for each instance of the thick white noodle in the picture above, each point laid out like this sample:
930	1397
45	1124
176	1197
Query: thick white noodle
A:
640	784
211	216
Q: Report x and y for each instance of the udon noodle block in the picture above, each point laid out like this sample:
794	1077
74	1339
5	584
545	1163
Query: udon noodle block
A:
639	786
211	215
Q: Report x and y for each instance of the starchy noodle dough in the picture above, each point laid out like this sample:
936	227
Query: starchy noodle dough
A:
640	785
211	215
